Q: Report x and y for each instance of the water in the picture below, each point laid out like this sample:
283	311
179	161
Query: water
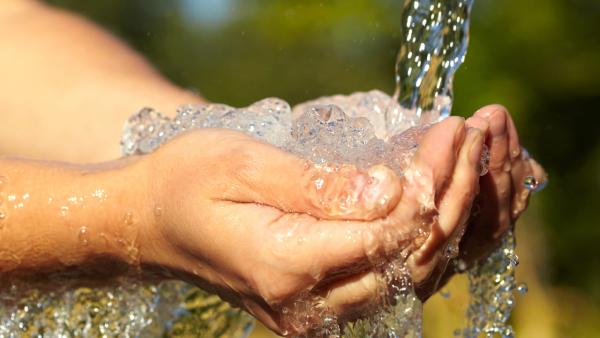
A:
363	129
435	37
492	284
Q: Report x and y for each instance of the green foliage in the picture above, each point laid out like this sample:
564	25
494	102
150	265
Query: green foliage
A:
539	58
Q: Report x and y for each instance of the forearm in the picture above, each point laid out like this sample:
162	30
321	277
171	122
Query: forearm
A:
55	216
67	86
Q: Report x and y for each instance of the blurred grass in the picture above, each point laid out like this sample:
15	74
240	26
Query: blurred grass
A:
539	58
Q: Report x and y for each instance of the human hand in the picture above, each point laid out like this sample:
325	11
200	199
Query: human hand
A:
504	196
260	226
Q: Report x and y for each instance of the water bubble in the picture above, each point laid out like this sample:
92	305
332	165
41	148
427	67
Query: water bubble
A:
522	288
514	260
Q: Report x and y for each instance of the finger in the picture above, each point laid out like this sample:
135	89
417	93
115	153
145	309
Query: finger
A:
513	138
456	204
497	186
352	296
479	123
483	125
539	173
454	207
497	118
520	199
267	175
523	170
432	165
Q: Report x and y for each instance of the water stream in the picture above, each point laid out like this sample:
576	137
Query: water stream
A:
363	129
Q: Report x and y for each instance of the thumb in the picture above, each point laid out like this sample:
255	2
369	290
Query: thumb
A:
271	176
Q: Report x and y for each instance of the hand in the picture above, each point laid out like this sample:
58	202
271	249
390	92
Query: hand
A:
260	226
503	197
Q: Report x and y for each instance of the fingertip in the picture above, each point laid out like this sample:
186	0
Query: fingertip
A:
539	173
345	192
486	112
383	192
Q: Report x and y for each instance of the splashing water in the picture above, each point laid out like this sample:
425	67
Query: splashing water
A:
363	129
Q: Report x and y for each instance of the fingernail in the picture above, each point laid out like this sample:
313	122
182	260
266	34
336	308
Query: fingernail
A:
475	143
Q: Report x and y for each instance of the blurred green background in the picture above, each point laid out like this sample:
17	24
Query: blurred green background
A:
541	59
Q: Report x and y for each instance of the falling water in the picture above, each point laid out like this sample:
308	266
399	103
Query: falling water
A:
435	36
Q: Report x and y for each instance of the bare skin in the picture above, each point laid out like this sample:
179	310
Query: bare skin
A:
221	216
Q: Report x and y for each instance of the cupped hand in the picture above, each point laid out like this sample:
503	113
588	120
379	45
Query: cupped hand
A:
260	226
504	195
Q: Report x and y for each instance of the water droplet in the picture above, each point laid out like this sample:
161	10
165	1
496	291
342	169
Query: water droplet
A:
99	194
158	211
64	210
2	215
514	260
445	294
2	182
319	183
530	183
522	288
83	235
451	251
460	265
525	154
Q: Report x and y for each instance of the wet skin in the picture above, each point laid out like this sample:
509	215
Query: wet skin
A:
265	202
